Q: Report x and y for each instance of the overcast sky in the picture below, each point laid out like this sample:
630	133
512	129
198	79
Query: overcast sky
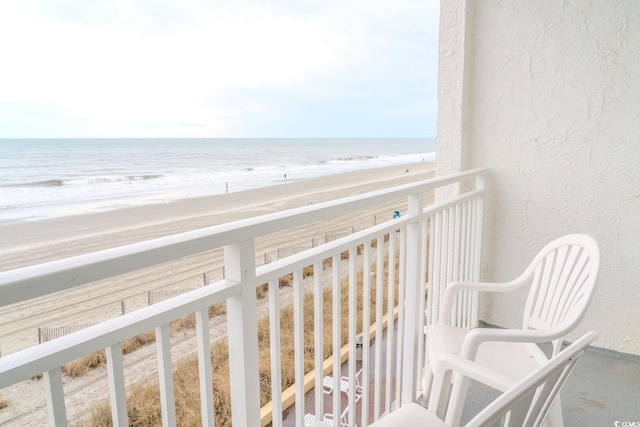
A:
218	68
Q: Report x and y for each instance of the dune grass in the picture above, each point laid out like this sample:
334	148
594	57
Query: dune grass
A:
92	361
143	400
87	363
4	403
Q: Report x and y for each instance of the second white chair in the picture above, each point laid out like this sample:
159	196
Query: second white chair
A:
525	404
561	279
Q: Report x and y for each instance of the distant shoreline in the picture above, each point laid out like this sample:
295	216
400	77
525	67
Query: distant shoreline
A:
44	178
156	197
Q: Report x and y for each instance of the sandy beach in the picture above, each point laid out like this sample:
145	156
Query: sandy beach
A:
29	242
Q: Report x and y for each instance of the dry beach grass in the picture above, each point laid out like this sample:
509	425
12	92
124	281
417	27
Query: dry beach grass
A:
143	400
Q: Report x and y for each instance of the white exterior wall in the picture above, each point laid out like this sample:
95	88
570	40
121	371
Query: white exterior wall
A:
546	94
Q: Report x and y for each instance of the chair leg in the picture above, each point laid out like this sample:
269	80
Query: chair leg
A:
456	402
554	419
427	383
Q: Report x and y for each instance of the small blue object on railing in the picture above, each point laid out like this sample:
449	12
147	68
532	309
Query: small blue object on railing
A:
396	214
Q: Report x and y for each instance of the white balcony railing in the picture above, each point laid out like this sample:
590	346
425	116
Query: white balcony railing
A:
433	243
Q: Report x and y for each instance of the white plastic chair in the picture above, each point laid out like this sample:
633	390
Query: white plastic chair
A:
561	278
525	404
327	385
344	422
309	419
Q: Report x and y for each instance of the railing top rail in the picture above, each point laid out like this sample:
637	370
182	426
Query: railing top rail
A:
34	360
38	280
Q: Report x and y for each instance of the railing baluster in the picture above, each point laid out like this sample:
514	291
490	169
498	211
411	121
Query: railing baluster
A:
465	242
437	263
479	224
467	254
337	340
450	233
298	340
352	335
117	393
378	340
204	367
455	260
421	301
391	284
274	344
165	375
318	321
461	225
470	221
432	292
444	259
401	303
366	322
55	397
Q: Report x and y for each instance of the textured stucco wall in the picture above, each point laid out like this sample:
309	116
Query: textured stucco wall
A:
550	103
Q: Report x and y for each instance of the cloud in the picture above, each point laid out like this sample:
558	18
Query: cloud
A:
209	68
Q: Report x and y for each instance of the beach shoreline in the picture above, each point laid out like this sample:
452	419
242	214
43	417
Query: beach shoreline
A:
218	208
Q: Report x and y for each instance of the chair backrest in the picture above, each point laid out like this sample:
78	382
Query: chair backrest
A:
563	276
527	403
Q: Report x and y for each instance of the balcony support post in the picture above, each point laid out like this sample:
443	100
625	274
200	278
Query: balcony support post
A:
239	263
412	330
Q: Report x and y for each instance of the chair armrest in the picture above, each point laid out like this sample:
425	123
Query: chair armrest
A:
476	337
472	370
450	364
454	287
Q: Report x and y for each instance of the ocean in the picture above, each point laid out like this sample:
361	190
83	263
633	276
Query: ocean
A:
53	177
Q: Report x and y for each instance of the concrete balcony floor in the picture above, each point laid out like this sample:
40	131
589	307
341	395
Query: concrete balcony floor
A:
603	388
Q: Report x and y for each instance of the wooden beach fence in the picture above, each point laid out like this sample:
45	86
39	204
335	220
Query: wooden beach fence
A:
315	241
163	294
338	234
47	334
292	250
158	295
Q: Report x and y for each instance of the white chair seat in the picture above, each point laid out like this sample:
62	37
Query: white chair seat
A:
411	414
511	359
